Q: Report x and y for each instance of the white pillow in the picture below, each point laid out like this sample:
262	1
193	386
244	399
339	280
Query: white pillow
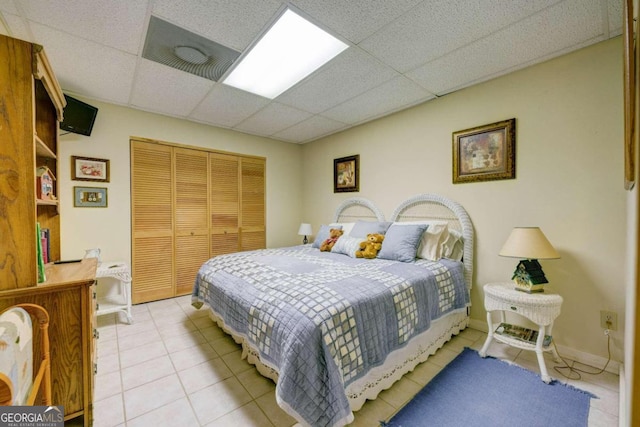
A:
453	247
347	245
346	226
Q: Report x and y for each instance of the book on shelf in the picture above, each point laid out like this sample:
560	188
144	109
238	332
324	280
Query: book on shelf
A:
39	260
521	334
44	239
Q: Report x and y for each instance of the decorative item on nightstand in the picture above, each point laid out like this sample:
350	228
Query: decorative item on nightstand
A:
305	230
529	244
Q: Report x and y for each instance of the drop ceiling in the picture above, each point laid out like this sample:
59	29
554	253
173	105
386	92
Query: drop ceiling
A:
401	53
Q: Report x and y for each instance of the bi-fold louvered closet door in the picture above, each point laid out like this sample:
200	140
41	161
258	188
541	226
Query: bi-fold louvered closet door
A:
188	205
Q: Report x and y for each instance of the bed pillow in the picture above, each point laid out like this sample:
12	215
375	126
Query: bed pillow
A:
401	242
323	234
347	245
362	228
346	226
431	242
453	247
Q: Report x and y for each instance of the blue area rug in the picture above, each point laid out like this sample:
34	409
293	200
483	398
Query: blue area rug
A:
472	391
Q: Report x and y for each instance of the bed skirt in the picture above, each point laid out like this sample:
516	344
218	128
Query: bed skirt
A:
379	378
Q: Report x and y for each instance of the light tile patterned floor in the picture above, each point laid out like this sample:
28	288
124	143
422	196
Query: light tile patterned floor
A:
173	367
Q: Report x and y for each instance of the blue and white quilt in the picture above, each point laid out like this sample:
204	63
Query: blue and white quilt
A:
322	320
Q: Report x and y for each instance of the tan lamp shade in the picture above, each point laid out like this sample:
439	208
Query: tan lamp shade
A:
305	230
528	243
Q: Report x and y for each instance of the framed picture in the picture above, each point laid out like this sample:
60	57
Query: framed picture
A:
89	169
90	197
630	83
345	174
485	153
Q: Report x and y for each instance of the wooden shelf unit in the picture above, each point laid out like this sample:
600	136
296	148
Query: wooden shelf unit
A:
33	106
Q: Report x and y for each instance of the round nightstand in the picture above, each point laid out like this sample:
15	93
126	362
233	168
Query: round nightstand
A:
541	308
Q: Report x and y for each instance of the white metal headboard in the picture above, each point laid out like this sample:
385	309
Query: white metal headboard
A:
357	208
435	207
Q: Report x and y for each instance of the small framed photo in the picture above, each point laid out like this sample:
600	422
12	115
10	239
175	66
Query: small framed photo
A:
89	169
90	197
485	153
346	171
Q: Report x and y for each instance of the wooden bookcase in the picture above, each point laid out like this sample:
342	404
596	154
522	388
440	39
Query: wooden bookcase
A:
32	108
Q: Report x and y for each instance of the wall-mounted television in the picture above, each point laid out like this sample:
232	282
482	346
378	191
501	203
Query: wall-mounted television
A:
78	116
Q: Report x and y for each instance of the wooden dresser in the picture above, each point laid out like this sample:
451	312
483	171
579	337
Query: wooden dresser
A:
69	297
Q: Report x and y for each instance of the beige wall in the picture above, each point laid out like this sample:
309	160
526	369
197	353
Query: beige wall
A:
110	228
569	180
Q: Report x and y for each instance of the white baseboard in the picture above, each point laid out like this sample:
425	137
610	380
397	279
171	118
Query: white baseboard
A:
566	352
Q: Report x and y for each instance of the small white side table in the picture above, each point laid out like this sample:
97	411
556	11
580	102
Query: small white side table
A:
120	272
541	308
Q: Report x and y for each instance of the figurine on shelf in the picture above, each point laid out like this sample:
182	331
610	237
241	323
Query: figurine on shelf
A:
45	183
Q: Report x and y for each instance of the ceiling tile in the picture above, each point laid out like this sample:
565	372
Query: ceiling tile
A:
234	24
165	90
354	19
347	75
9	7
552	32
310	129
18	27
94	20
86	68
393	95
272	118
436	27
614	12
226	106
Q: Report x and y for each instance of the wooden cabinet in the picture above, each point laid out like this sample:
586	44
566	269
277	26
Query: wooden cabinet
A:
32	107
69	297
210	204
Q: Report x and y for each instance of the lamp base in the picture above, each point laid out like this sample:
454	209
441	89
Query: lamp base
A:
529	276
305	240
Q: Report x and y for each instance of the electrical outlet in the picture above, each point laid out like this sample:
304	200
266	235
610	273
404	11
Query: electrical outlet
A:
609	320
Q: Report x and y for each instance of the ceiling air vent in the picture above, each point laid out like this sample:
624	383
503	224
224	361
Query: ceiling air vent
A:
181	49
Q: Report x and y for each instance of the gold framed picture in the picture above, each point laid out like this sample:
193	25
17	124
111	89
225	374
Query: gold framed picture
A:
346	171
485	153
630	83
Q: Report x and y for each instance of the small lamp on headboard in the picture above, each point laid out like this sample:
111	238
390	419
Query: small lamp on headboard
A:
305	230
529	244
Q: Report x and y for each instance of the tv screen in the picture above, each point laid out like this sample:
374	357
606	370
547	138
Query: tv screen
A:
78	116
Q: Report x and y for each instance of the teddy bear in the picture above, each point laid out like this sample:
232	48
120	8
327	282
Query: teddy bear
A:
370	247
334	235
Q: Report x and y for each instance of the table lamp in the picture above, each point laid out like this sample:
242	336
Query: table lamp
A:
529	244
305	230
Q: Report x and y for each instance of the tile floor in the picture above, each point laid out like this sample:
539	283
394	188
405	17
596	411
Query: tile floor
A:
174	367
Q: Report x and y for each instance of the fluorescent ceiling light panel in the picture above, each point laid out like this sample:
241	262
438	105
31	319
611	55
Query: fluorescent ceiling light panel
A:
291	50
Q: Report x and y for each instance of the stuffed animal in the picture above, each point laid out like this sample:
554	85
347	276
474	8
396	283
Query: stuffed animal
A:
370	247
334	235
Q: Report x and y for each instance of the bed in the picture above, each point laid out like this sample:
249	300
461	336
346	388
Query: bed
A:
333	330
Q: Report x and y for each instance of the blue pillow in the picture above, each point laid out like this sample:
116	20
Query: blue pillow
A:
401	242
323	234
362	228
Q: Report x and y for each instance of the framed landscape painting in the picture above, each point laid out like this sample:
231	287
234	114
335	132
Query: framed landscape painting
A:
485	153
